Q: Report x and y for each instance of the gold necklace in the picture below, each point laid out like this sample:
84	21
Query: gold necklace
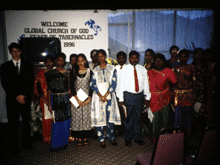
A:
160	72
82	71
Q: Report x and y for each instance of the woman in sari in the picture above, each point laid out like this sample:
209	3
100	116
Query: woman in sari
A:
184	91
59	92
160	79
40	89
105	111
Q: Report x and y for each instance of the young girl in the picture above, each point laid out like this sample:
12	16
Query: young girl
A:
81	116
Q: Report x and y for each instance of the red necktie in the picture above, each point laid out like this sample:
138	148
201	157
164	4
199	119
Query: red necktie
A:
136	80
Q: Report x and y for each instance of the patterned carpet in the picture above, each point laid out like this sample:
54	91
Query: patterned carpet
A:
119	154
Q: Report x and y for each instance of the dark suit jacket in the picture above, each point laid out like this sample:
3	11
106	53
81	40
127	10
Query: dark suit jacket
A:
15	84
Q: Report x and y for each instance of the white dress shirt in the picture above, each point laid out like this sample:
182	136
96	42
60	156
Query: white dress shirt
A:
126	81
119	69
19	63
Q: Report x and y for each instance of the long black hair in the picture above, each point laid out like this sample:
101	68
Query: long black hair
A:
83	56
104	53
74	72
162	57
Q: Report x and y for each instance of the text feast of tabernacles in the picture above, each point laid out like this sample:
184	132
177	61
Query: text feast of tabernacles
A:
61	31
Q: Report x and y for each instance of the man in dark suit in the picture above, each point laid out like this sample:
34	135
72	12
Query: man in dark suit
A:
17	81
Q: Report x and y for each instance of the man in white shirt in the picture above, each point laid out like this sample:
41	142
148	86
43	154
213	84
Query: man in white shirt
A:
133	92
121	59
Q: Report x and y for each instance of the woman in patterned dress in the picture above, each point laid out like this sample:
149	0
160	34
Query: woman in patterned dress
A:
105	111
81	116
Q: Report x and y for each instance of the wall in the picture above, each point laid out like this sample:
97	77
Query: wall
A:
3	58
79	31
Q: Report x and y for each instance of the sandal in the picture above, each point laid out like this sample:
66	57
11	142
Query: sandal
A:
86	143
102	144
79	143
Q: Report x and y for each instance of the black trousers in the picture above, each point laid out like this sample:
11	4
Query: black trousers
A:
14	110
133	122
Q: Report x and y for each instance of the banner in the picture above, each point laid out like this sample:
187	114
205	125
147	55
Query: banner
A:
78	31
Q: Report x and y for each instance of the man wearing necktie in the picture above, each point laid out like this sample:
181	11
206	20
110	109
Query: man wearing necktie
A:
133	93
17	81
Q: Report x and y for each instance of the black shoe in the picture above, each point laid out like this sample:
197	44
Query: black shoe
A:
102	144
113	142
140	142
128	143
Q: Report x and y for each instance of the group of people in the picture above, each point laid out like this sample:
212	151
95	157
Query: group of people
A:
116	94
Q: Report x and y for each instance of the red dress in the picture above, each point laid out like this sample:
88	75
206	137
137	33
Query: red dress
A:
159	88
46	124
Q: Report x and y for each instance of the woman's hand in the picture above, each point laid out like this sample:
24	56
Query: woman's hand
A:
121	103
102	98
45	101
20	99
147	103
86	101
50	109
79	101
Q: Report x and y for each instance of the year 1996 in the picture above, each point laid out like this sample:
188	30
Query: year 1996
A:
69	44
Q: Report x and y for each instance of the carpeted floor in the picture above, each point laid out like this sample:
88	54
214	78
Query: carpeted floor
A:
94	154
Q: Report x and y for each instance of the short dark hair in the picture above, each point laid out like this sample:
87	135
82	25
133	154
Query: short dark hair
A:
198	49
172	47
60	55
14	45
73	55
183	51
133	52
49	57
151	51
94	51
121	53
